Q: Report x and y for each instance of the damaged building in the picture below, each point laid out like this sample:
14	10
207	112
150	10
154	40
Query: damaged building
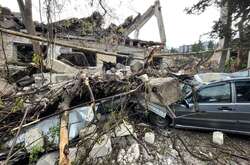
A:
87	32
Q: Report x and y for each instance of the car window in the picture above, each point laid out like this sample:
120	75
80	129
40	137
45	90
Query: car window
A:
215	94
242	91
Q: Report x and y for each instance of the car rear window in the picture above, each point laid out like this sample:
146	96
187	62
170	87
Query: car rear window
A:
215	94
242	91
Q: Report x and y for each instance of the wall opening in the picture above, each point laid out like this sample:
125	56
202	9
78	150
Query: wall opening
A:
90	56
157	61
24	52
123	60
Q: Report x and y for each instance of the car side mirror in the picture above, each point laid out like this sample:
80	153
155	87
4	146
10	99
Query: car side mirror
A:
185	102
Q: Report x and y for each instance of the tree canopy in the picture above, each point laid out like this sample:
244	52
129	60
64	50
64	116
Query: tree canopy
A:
233	25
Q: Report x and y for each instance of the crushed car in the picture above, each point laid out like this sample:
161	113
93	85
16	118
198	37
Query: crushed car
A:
216	101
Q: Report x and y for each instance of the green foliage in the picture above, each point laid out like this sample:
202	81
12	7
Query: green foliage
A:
199	7
173	50
67	23
238	11
197	47
243	65
74	162
228	66
37	59
35	152
87	27
210	45
54	132
19	104
120	30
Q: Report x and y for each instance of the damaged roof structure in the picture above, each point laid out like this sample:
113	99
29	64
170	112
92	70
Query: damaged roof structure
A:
86	32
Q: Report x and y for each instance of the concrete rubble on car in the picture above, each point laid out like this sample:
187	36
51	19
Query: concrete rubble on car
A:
164	91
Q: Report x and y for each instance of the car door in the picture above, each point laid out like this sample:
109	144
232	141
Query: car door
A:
215	108
216	102
242	104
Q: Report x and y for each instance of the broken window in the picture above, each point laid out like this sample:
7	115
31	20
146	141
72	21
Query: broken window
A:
123	60
157	61
74	59
90	57
24	51
242	91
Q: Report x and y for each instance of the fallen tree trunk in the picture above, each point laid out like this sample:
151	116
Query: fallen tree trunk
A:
68	95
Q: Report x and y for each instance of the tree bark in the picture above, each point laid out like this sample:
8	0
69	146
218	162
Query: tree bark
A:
68	95
226	19
26	13
64	133
242	55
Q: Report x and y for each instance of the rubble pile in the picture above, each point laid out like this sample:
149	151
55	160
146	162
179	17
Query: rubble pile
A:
49	117
110	131
37	99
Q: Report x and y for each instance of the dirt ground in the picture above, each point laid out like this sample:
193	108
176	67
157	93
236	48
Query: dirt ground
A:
180	147
196	147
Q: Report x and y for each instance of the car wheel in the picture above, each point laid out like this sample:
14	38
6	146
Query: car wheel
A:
158	120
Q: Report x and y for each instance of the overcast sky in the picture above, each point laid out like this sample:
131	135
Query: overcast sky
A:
180	28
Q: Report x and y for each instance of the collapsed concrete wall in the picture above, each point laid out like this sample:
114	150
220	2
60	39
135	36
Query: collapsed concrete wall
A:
9	47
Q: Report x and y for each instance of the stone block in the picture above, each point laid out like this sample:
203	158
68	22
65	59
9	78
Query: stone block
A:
144	78
124	129
149	137
164	90
6	89
102	147
131	156
136	66
218	138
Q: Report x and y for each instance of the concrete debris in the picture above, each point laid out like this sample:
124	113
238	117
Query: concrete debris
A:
124	129
52	158
119	74
102	147
6	89
48	159
114	74
34	138
54	78
119	66
129	156
87	131
164	90
218	138
136	66
25	81
144	78
149	137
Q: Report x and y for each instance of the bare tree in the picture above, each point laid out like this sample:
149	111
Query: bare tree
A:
25	7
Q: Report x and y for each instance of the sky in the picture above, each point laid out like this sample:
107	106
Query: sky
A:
180	28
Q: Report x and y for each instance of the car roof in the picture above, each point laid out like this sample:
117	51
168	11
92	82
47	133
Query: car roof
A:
226	77
232	79
204	79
